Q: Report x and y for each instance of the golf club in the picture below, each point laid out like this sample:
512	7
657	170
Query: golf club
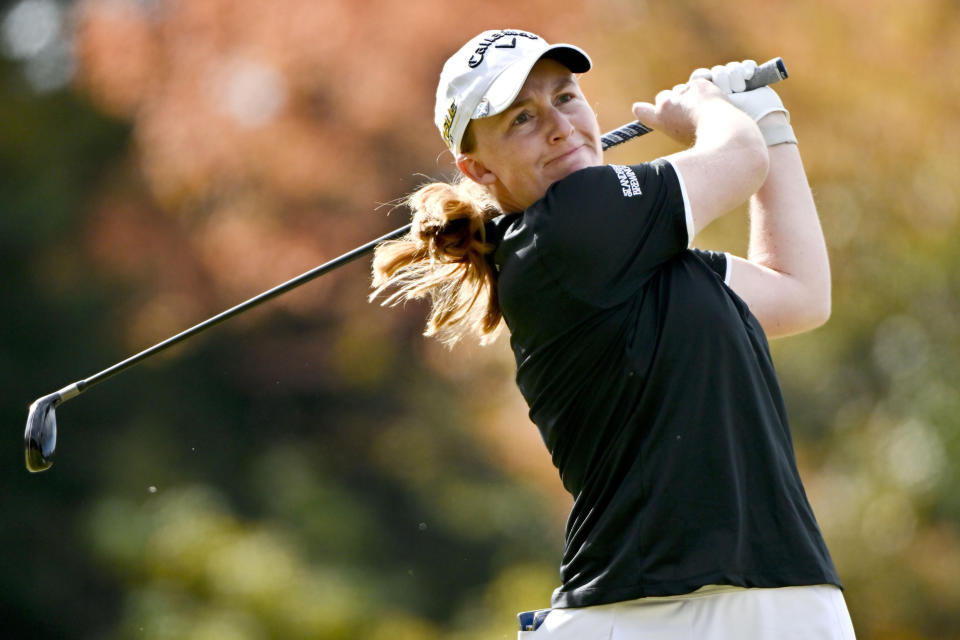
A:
40	437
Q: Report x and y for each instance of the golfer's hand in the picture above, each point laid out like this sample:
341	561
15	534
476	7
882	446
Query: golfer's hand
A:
730	78
763	104
677	111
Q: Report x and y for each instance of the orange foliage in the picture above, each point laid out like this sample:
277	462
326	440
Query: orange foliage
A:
252	113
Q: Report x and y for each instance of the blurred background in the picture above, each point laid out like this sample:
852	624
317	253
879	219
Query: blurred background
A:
317	468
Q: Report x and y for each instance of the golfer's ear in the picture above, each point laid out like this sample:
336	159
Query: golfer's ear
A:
475	170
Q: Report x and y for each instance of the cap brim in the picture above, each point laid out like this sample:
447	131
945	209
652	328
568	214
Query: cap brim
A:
503	91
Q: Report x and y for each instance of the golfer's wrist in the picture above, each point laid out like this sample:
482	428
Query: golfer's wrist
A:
775	128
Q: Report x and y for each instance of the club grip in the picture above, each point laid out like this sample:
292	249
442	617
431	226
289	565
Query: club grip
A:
767	73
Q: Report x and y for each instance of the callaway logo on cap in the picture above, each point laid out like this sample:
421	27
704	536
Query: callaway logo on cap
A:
484	77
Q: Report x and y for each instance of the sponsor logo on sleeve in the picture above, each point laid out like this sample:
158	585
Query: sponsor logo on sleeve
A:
628	180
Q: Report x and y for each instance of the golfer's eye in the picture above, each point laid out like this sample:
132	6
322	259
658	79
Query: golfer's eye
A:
521	118
565	97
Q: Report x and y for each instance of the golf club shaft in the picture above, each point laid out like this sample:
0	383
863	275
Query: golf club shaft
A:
293	283
767	73
622	134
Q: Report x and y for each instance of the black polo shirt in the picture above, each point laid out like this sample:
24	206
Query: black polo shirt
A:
653	388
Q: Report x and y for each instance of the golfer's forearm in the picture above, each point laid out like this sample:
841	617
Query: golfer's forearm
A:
726	164
731	136
786	237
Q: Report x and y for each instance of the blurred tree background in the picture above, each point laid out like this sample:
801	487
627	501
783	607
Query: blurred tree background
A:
317	469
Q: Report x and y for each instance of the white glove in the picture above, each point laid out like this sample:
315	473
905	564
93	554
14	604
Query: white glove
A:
731	78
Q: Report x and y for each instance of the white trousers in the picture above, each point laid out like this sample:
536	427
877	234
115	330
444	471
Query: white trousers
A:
714	613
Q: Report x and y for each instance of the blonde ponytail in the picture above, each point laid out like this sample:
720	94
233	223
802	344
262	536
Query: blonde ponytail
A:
444	257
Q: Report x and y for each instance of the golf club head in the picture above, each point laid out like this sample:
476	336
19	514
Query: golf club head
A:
40	437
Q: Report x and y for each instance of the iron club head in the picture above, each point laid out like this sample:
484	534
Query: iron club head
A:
40	437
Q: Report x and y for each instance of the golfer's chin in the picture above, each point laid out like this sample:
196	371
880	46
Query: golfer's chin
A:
582	157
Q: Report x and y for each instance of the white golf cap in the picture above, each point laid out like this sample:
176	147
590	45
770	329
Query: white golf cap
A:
484	77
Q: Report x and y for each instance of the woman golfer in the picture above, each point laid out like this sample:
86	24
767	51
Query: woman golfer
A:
644	362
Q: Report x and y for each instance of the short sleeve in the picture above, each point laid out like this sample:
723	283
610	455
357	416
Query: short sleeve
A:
718	261
603	231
